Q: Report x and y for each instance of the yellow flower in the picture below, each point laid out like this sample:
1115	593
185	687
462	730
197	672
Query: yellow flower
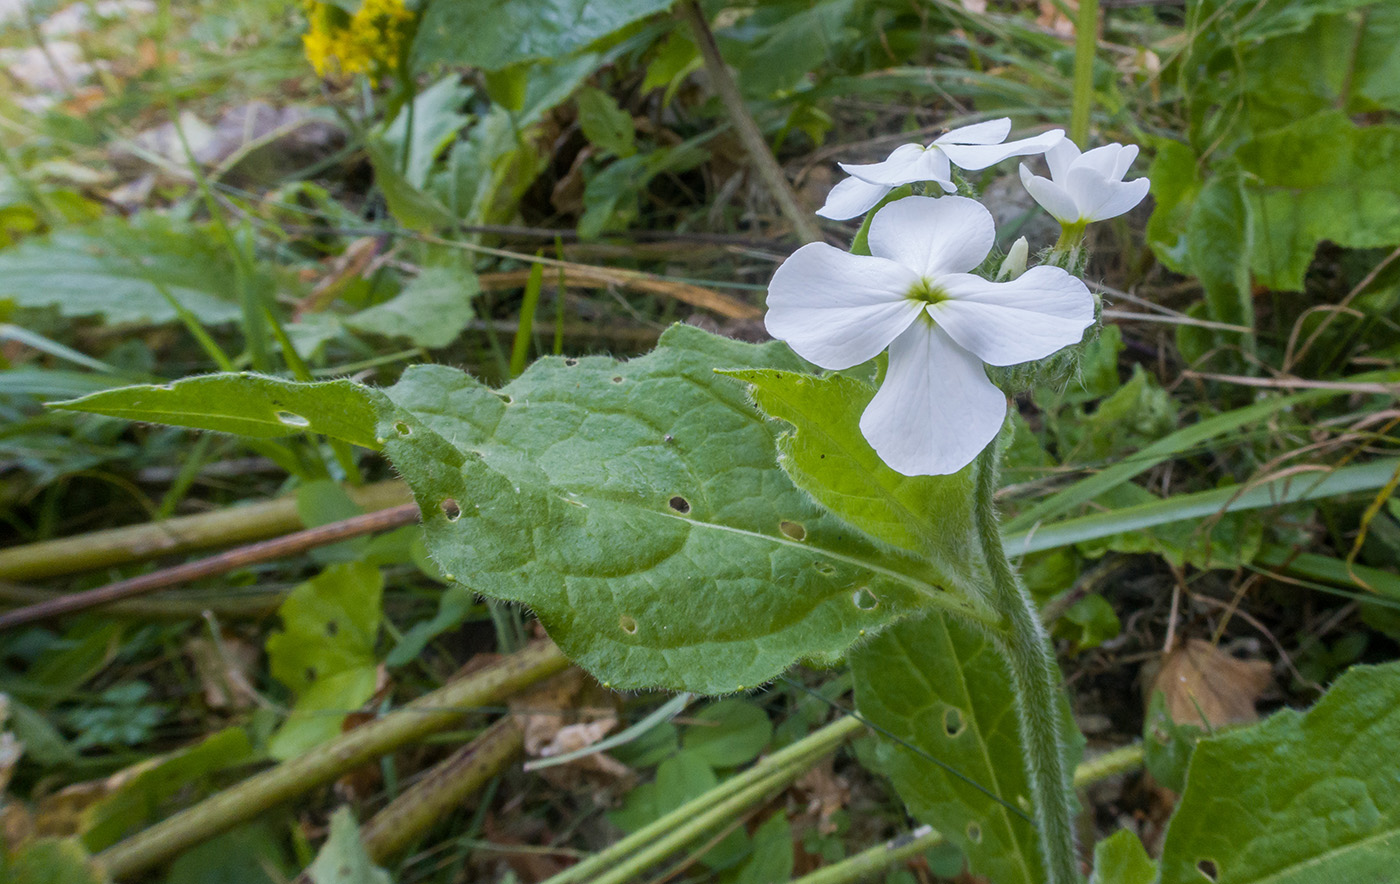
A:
371	41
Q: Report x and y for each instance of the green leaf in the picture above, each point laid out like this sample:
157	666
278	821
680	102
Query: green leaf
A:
606	125
728	733
679	779
610	197
1203	504
436	122
250	854
939	686
505	33
771	858
411	206
431	311
1298	798
1088	623
244	404
1121	859
638	508
343	859
51	861
1167	746
325	653
1219	234
121	270
826	456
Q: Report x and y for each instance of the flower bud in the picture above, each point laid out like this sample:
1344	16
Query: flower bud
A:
1015	262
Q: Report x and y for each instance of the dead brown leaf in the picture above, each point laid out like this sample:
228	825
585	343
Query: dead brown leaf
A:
224	671
1202	682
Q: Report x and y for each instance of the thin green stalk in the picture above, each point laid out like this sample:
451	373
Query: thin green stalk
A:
1035	680
764	163
432	712
874	860
799	755
520	351
1086	37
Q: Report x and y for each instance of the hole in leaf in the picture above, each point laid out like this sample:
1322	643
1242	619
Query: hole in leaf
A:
332	628
793	530
310	673
403	429
451	509
617	379
824	568
864	599
506	398
571	362
628	625
292	419
1208	869
680	504
974	833
953	722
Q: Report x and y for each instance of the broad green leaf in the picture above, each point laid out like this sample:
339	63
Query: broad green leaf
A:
51	861
610	197
728	733
1219	234
431	311
122	270
142	798
679	779
826	456
413	207
1121	859
606	125
250	854
436	122
1088	623
1321	178
1176	181
244	404
343	859
638	508
1298	798
771	855
939	686
325	653
505	33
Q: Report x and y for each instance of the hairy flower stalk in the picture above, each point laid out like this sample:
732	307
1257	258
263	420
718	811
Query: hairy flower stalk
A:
1035	682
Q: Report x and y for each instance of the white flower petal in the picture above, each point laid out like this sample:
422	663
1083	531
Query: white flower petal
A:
933	235
1099	199
1052	197
1102	160
980	156
1006	323
1124	161
907	164
851	198
990	132
837	309
1061	157
936	409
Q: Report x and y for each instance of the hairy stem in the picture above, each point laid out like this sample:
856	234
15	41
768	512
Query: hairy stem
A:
1035	680
755	146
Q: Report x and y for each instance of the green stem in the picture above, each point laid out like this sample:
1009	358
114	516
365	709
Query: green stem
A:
1035	680
1086	35
432	712
732	795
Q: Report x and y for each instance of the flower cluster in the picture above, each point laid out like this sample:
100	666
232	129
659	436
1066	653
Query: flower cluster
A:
370	41
917	295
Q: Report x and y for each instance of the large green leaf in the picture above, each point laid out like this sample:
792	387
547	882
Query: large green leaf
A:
491	35
639	509
123	271
826	455
1298	798
244	404
939	686
1121	859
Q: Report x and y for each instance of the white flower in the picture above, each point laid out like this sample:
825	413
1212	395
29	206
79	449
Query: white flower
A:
970	147
936	408
1086	187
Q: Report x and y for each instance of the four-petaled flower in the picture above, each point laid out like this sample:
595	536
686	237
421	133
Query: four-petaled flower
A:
1086	187
970	147
936	409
